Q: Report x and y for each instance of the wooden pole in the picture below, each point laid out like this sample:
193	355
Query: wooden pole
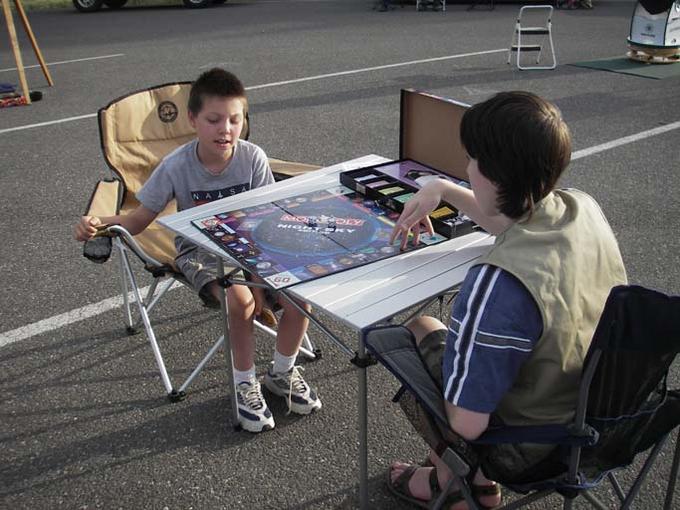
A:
15	48
34	43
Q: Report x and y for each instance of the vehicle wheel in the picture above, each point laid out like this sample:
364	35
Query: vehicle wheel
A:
114	4
218	2
88	5
196	4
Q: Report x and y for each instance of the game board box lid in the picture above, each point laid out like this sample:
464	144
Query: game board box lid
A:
429	132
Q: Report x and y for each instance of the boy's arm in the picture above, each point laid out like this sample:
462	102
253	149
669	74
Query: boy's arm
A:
467	424
134	223
464	200
417	209
487	344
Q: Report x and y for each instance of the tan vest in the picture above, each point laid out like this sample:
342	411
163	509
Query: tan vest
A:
567	257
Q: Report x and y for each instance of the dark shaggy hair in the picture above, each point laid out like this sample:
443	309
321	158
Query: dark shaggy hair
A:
521	144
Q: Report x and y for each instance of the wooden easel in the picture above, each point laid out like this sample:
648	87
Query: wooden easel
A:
9	20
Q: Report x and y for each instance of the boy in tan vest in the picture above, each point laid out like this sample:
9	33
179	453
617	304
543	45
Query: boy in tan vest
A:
526	312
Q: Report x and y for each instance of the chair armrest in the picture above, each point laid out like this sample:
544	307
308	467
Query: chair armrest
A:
106	198
540	434
105	201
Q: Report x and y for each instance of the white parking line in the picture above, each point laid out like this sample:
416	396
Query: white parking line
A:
625	140
88	311
287	82
47	123
64	319
376	68
65	62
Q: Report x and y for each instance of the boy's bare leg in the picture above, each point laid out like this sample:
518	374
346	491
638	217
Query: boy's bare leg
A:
240	309
419	484
292	328
283	378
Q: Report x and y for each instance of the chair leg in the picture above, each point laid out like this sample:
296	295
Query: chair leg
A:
594	501
200	366
173	395
637	485
124	261
311	353
617	487
673	475
152	297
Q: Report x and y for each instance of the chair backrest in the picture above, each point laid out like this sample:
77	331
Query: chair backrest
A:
139	129
635	343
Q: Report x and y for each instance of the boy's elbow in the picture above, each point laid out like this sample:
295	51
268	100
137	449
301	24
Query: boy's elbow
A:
468	431
467	424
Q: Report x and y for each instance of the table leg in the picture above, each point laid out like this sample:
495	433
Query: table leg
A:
363	428
227	346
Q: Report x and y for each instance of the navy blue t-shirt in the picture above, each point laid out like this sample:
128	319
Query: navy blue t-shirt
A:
494	326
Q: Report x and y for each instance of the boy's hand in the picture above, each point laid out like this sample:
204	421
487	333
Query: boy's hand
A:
86	228
258	296
416	213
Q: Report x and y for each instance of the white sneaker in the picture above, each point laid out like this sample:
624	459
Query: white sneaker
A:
253	413
301	398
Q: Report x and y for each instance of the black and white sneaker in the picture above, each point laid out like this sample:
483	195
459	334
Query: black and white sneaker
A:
253	413
301	398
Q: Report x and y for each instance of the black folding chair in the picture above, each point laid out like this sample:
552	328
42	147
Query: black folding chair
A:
624	406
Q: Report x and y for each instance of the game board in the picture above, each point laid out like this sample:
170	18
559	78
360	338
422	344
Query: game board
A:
308	236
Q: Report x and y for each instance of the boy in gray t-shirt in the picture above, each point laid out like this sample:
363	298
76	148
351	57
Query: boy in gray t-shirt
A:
215	165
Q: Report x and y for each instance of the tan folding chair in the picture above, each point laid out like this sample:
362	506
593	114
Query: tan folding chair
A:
136	132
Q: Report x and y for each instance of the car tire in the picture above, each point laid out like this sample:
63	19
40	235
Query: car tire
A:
219	2
88	5
115	4
197	4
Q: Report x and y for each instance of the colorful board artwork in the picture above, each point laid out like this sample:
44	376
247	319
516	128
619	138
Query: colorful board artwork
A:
308	236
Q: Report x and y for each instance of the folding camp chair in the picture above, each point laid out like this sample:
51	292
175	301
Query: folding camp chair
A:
624	405
136	132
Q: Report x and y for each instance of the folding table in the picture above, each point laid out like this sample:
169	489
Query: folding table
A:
361	297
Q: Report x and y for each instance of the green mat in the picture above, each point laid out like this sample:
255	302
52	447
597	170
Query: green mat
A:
625	65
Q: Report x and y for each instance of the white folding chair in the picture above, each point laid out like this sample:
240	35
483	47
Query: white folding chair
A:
544	31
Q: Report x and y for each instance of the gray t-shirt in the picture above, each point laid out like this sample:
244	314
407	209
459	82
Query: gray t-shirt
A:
182	176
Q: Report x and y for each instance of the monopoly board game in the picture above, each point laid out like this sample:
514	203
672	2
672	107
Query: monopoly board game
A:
308	236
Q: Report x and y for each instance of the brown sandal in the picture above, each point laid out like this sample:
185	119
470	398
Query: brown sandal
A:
478	491
399	488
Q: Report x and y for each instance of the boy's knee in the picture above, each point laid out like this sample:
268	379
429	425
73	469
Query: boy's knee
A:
422	326
239	298
289	307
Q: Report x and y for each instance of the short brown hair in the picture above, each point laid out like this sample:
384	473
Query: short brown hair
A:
216	82
521	144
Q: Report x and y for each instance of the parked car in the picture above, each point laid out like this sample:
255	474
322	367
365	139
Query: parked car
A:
95	5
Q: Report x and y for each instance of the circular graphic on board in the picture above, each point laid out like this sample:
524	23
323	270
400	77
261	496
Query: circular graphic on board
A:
289	234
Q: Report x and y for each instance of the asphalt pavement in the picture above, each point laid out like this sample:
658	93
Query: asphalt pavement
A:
83	419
